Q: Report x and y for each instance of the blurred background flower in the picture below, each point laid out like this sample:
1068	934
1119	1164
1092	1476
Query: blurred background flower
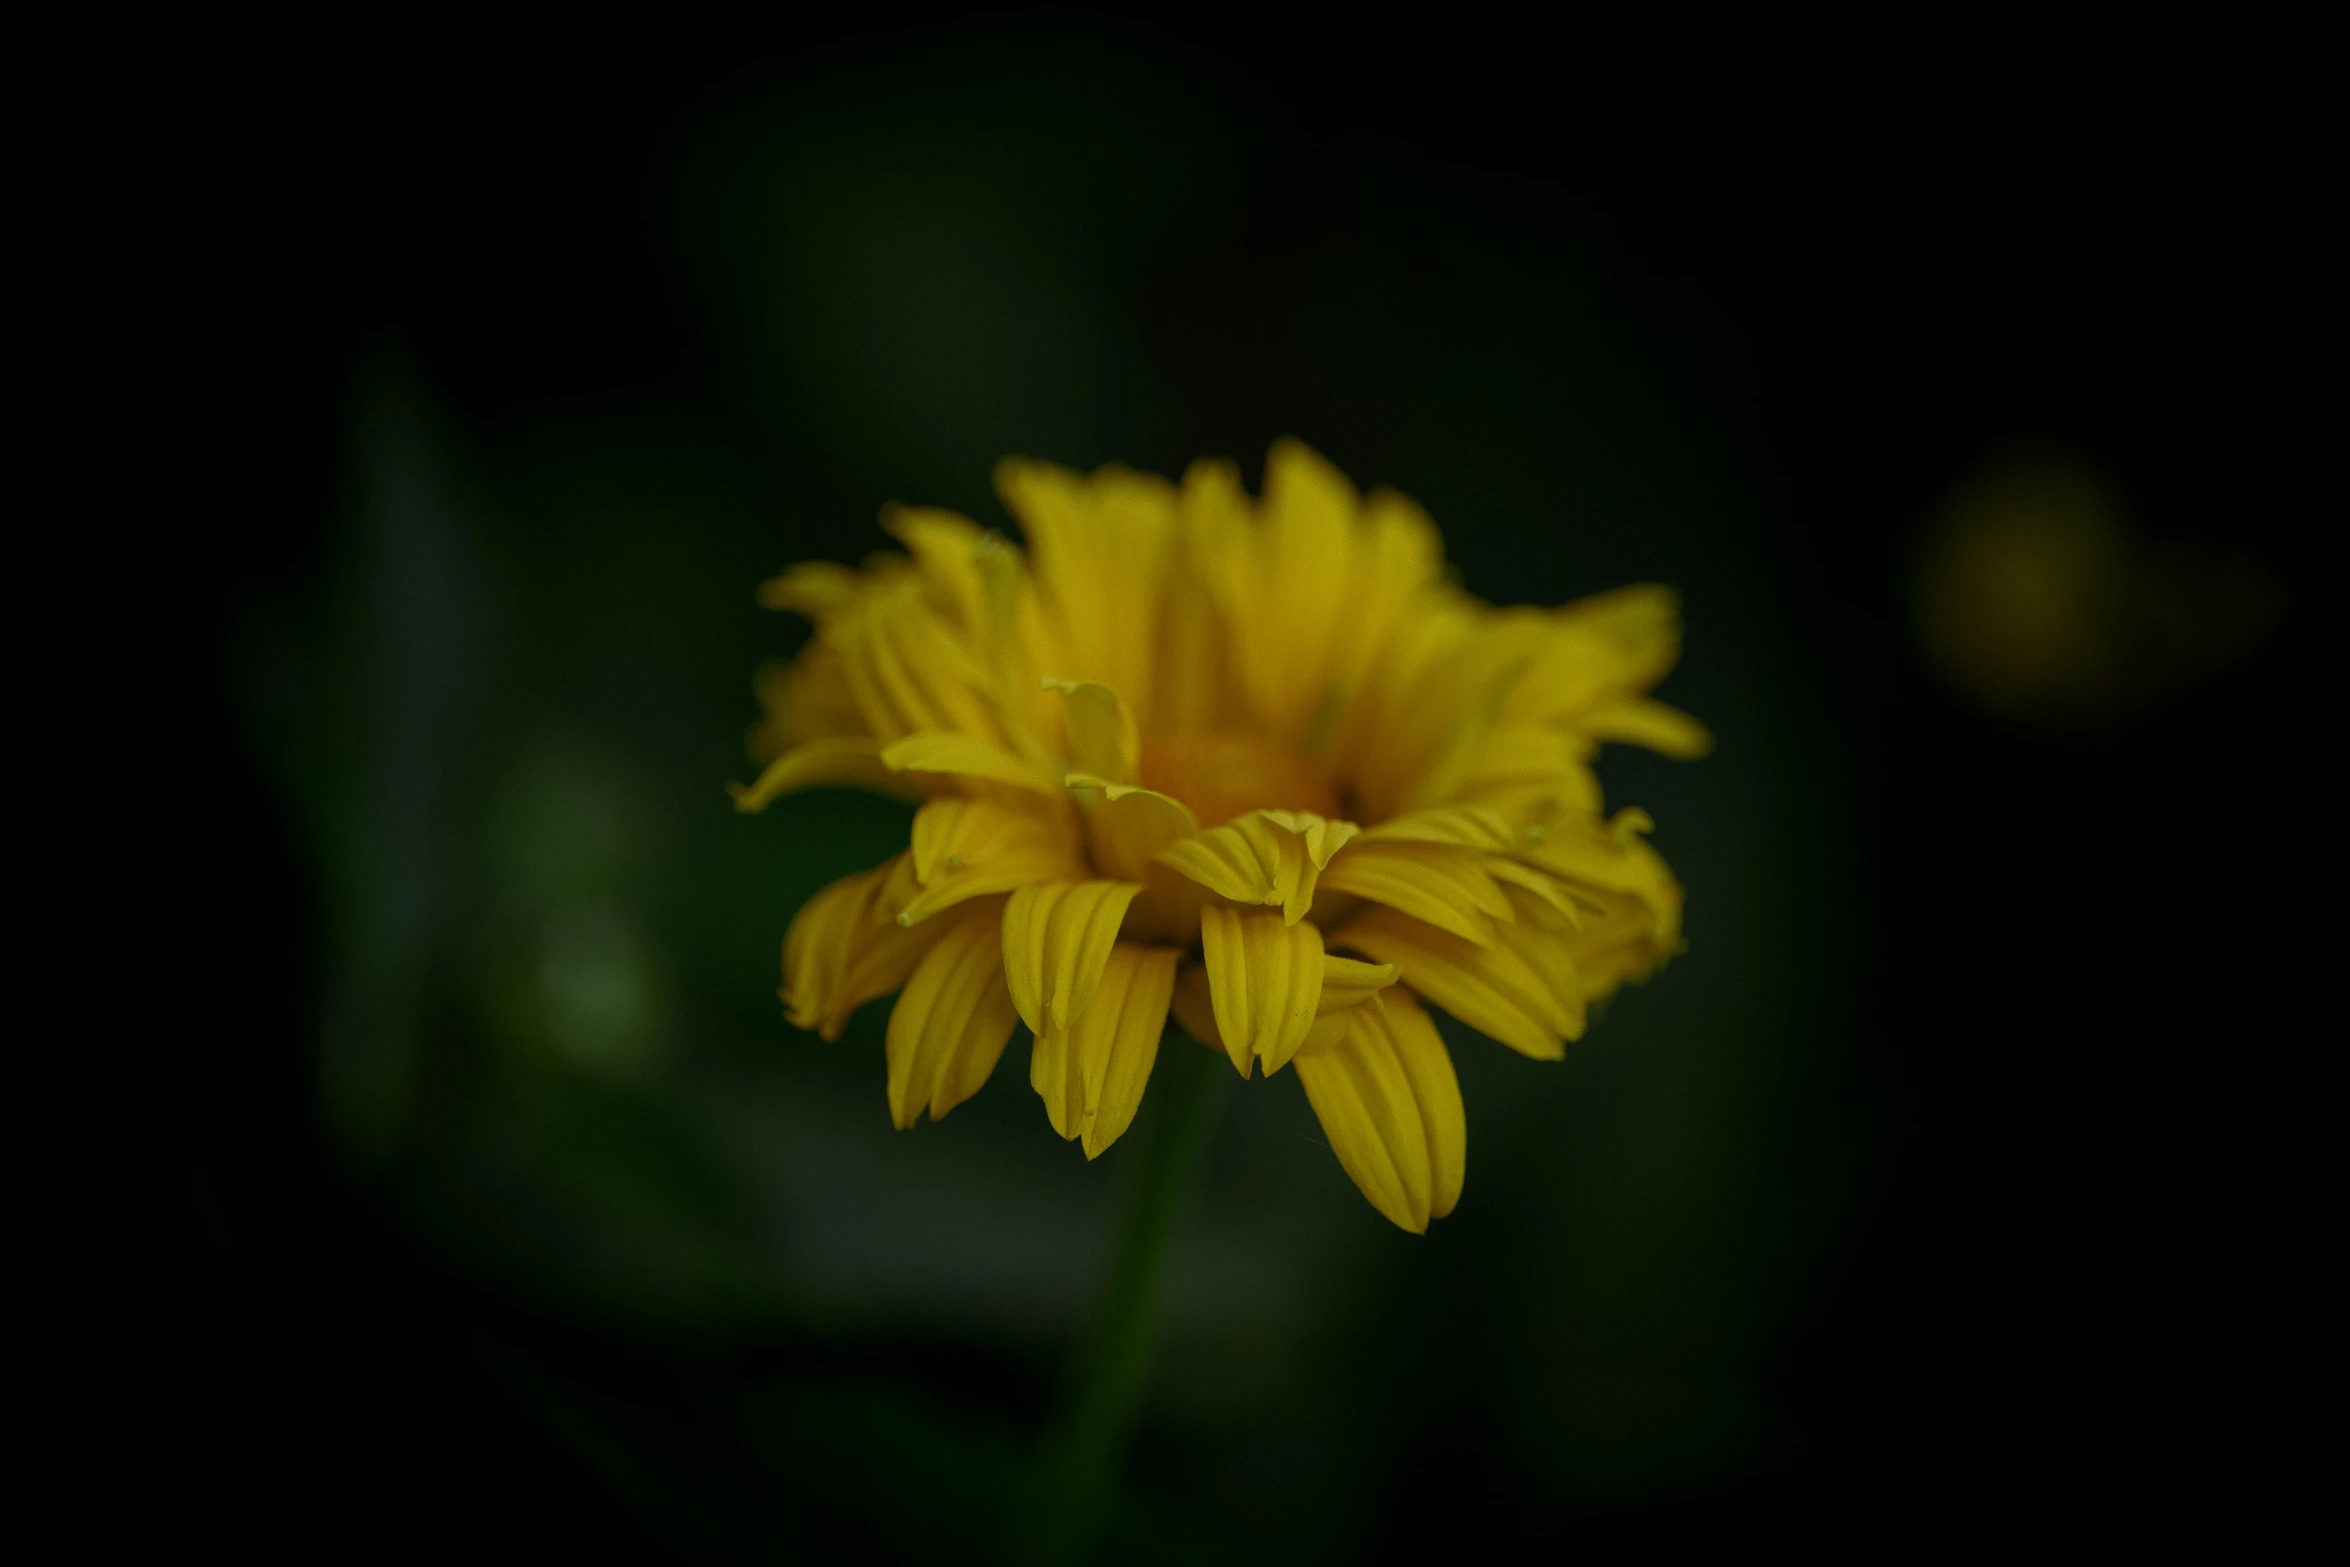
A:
516	1213
2035	598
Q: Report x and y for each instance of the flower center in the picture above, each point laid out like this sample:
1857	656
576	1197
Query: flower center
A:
1228	774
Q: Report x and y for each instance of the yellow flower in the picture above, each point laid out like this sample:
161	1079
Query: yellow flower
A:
1258	763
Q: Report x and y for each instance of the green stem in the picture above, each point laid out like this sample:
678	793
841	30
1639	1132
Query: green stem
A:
1102	1395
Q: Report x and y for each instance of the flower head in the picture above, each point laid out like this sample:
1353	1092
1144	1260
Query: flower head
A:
1258	763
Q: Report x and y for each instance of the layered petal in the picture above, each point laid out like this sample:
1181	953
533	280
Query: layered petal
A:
1611	857
909	668
971	846
1098	549
1444	884
1621	943
968	759
1492	989
1265	981
1057	940
1470	826
1091	1077
1128	828
1390	1105
945	547
806	699
1397	557
845	947
1596	651
1137	738
1284	587
950	1026
1265	857
1346	985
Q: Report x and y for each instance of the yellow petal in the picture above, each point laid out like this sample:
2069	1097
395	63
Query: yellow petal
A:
1408	703
1103	741
967	847
1505	757
1396	556
1546	948
967	756
1597	650
1611	857
823	764
1563	899
1638	721
1470	826
1444	884
1093	1084
814	588
845	947
1286	596
1194	693
1436	726
949	1028
1625	941
1347	984
1265	979
1127	828
806	699
1437	1091
945	546
910	667
1492	989
1390	1105
1265	857
1098	548
1057	937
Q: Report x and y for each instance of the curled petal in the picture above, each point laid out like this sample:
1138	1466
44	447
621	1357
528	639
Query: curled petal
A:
1102	737
1597	651
1091	1076
814	588
1128	828
1265	979
1390	1104
949	1028
1444	884
819	764
1265	857
1665	730
1057	939
1492	989
845	947
968	847
1612	857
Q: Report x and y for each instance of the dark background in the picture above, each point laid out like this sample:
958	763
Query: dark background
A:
1946	1188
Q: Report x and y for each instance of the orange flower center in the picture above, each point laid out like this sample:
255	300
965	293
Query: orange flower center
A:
1228	774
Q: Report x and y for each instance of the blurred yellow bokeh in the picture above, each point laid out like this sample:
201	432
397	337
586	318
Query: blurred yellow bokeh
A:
2034	598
